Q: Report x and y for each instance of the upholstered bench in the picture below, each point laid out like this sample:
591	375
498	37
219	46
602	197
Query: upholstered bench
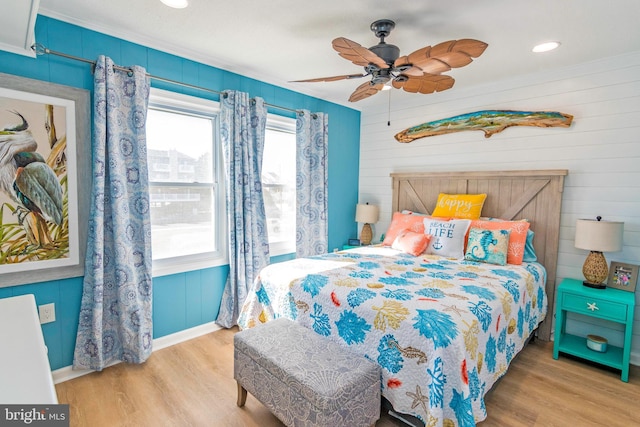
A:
304	378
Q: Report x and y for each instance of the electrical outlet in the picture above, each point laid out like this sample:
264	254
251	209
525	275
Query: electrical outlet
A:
47	313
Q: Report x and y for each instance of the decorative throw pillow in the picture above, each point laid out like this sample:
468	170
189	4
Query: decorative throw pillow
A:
424	215
411	242
448	237
488	246
401	222
468	206
529	250
517	236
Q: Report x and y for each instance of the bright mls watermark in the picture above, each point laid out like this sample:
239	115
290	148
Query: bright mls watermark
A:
34	415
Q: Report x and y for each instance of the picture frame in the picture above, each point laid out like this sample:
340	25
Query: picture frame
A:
623	276
52	123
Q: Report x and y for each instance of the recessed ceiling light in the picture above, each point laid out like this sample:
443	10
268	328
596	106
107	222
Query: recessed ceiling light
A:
545	47
176	4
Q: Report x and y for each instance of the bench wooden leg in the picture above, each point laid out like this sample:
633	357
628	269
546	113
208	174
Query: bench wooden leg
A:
242	396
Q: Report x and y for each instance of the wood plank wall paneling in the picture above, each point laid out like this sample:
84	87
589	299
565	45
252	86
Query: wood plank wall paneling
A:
601	151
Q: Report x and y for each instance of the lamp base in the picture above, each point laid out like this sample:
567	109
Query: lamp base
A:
594	285
595	270
366	234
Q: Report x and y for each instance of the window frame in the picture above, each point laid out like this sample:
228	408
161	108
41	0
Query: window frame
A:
164	100
170	101
282	124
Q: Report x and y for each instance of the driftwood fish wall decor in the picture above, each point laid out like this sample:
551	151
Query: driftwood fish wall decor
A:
488	121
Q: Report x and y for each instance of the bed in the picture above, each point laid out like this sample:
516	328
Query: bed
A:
444	330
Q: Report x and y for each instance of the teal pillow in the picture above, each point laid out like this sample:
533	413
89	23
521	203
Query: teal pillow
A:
488	246
529	251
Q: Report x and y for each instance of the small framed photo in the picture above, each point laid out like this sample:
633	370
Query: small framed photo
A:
623	276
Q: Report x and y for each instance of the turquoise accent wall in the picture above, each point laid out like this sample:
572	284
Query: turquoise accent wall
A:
185	300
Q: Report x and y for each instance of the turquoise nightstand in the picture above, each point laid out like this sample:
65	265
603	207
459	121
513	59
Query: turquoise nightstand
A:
609	304
345	247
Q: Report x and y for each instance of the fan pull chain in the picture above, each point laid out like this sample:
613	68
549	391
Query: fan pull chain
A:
389	110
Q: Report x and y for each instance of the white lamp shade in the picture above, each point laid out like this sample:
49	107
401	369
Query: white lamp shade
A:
176	4
599	236
367	213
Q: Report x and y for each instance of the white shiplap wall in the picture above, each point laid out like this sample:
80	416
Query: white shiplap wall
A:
601	151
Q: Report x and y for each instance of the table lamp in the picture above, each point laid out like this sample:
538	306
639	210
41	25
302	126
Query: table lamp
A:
597	236
368	214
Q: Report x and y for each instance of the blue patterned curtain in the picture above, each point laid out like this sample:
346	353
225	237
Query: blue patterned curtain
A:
311	183
243	125
115	316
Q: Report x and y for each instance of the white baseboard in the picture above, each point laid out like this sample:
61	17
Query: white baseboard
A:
187	334
68	373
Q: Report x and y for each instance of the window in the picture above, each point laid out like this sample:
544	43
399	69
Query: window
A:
279	184
186	183
186	197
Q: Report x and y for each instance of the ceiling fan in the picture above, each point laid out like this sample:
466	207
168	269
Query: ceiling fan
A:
419	72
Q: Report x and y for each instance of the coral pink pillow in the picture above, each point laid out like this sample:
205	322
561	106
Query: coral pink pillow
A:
411	242
401	222
517	236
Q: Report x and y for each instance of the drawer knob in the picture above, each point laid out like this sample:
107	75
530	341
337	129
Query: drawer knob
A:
592	306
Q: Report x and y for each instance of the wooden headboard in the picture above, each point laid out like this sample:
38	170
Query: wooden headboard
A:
535	195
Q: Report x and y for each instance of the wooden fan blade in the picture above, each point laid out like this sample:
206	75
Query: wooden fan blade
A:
457	53
356	53
444	56
471	47
365	90
420	60
414	71
428	83
332	79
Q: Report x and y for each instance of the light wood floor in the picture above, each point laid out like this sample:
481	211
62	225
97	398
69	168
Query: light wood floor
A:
191	384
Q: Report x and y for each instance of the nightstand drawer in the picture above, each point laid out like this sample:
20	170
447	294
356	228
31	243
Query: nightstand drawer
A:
594	307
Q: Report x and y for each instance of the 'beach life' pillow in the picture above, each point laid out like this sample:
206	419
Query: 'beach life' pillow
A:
448	237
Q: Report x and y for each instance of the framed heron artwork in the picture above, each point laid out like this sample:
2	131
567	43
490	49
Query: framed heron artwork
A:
44	174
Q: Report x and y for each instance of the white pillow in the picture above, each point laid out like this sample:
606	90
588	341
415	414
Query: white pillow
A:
448	236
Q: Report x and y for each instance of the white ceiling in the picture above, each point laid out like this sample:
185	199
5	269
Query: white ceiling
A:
278	41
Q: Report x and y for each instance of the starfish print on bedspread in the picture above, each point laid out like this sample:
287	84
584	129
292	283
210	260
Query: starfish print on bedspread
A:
419	399
453	308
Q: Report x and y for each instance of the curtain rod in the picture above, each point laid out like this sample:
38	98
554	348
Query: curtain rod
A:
40	49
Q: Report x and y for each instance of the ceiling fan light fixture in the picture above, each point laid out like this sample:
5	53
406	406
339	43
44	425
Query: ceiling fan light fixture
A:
418	72
176	4
545	47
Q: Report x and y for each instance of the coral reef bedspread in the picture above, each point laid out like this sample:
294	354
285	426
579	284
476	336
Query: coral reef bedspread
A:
444	331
